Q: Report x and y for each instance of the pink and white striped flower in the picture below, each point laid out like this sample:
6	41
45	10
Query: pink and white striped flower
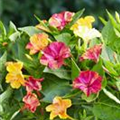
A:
88	81
61	19
54	55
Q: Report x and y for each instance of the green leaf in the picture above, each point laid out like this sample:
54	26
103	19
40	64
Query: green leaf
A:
106	109
91	98
12	28
2	29
3	60
75	18
103	20
98	68
30	30
108	33
14	115
14	36
74	69
61	73
64	37
113	21
53	86
110	67
107	54
111	96
5	95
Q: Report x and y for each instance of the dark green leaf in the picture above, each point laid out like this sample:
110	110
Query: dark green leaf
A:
61	73
53	86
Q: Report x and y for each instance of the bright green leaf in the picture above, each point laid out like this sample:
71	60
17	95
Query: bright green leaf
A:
30	30
64	37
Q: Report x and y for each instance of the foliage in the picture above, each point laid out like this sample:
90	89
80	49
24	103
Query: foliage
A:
61	78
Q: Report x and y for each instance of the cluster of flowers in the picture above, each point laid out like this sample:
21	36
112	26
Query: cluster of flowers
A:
53	56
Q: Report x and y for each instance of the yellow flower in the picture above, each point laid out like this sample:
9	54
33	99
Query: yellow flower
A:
59	108
83	28
15	76
37	43
87	21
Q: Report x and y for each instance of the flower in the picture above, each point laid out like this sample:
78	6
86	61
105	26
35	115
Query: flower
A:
61	19
15	76
37	43
87	21
92	53
83	28
59	108
88	81
54	55
31	102
33	84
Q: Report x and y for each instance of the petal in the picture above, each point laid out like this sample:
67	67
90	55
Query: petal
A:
15	84
33	51
68	16
11	67
29	46
63	115
52	115
9	78
44	60
54	22
57	99
50	108
67	103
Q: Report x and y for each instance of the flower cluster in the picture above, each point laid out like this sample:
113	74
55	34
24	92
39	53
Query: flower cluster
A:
60	51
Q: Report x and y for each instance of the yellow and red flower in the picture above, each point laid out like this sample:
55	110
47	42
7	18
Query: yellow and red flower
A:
61	19
88	81
37	43
31	102
59	108
33	84
15	76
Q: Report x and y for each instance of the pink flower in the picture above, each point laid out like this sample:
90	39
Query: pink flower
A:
54	55
33	84
88	81
92	53
61	19
31	102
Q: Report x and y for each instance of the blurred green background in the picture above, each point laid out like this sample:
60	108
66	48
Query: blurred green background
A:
21	12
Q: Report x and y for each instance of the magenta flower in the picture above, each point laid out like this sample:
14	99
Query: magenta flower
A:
61	19
88	81
92	53
54	55
33	84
